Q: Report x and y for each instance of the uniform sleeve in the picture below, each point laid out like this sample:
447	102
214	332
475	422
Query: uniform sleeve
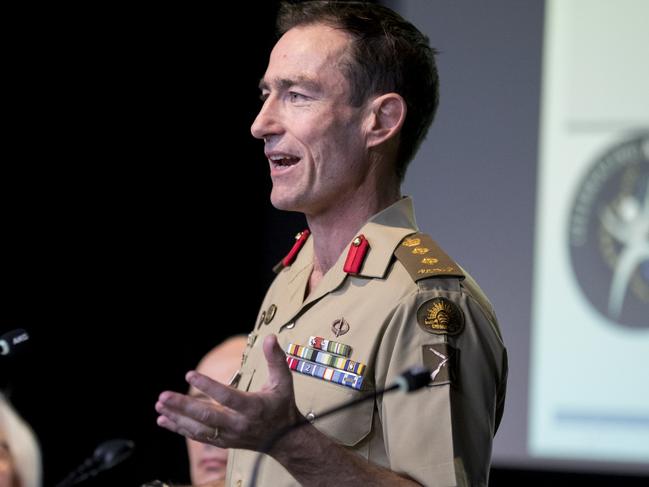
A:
442	435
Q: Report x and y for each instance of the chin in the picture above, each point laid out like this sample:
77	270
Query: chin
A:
286	202
209	477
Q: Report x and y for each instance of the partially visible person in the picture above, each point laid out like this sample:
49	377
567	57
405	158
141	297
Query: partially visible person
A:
208	463
20	456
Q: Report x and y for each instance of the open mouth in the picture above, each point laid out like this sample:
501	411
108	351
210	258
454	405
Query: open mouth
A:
283	161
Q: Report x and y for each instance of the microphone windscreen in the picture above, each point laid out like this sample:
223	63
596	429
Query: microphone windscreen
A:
413	379
111	452
11	339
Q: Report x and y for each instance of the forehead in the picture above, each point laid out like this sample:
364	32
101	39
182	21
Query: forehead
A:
220	366
310	51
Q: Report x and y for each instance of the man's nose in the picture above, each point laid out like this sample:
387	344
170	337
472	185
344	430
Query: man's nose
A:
267	122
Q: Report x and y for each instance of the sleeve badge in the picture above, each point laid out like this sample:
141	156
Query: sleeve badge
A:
442	360
440	316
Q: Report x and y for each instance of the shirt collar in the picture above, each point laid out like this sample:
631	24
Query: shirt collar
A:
384	231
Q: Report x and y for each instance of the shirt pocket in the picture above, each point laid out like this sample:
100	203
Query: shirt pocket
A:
315	396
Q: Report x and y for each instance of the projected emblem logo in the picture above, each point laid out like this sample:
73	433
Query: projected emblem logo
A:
609	233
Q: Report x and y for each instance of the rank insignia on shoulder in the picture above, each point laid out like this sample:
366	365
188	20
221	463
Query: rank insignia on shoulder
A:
442	360
440	316
411	242
423	258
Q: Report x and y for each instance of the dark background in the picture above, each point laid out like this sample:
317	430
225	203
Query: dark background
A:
136	223
136	227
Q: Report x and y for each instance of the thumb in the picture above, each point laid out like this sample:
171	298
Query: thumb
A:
278	371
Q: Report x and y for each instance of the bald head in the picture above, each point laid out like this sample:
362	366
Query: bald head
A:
222	361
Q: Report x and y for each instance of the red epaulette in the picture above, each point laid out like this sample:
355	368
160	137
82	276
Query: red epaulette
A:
356	255
300	239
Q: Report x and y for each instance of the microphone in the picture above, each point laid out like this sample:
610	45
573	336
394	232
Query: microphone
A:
9	340
107	455
411	380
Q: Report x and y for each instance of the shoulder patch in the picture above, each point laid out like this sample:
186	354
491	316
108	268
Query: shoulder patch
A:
440	316
423	258
442	360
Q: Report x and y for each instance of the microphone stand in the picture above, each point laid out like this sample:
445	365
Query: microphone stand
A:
413	379
107	455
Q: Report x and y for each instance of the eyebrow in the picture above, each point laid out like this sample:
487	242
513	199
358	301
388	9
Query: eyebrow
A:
286	83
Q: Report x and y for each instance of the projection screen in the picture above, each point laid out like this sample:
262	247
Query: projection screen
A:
535	177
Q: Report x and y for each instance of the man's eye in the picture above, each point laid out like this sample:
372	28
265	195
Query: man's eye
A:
293	96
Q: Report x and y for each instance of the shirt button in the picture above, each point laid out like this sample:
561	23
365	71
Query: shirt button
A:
287	326
239	482
310	416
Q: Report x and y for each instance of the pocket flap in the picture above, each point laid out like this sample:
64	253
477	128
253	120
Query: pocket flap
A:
315	396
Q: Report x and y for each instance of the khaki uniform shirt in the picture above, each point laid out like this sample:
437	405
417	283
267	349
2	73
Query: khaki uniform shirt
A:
440	435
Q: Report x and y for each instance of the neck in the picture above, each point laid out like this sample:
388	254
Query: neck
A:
333	229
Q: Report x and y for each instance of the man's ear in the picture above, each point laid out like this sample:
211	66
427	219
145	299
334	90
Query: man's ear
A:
386	116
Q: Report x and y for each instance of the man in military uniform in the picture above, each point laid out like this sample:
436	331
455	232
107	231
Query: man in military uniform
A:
349	93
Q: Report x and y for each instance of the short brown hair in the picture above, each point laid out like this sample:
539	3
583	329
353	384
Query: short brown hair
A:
388	54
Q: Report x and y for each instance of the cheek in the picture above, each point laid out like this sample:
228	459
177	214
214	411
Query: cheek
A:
347	132
193	449
337	139
5	467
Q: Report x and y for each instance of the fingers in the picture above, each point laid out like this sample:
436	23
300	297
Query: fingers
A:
190	417
221	393
178	422
186	427
243	419
278	371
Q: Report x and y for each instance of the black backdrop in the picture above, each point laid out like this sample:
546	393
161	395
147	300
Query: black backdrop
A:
135	218
135	221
